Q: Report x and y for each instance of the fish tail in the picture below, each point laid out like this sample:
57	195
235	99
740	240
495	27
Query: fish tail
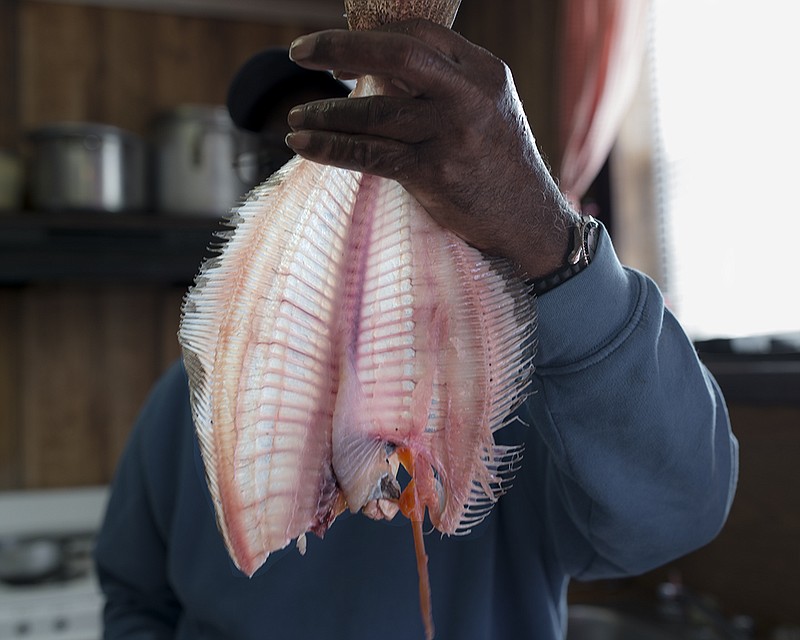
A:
412	506
424	580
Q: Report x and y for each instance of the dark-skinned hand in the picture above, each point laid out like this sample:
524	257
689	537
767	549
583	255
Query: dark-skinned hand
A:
451	130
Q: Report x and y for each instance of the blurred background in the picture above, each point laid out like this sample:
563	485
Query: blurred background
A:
672	121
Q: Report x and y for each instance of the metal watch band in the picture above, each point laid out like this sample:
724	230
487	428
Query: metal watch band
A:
584	243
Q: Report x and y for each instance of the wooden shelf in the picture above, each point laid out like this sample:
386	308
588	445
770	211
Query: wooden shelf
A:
153	248
38	246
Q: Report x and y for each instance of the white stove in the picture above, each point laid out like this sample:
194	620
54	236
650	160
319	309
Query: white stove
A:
70	611
65	603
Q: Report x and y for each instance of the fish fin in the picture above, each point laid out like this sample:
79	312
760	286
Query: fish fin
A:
484	363
424	579
202	313
359	457
509	308
266	312
413	507
302	544
502	464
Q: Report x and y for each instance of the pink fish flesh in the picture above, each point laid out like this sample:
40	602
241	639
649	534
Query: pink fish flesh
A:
339	333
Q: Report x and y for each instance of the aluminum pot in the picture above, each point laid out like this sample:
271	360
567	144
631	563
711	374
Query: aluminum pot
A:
87	166
28	561
203	161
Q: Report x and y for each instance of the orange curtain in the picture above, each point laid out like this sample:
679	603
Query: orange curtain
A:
601	48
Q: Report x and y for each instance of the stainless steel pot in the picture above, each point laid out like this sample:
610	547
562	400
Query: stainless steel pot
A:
87	166
27	561
203	161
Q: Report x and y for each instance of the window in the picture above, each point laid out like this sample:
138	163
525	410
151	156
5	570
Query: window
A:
711	151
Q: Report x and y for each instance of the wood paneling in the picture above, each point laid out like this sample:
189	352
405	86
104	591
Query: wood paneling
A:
122	67
88	356
10	432
77	360
319	12
58	378
522	34
8	71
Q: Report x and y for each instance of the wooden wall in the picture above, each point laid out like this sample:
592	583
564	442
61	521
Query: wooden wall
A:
122	67
76	360
60	61
522	33
8	66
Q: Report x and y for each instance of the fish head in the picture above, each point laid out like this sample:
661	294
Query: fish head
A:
371	14
383	503
366	470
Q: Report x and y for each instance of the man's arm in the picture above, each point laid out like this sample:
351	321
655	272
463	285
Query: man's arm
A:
640	464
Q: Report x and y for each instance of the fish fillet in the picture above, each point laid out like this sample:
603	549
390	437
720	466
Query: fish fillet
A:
339	333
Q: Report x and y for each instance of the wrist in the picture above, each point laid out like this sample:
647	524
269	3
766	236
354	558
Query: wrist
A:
582	242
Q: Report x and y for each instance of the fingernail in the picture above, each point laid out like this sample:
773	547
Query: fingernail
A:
298	140
296	117
301	48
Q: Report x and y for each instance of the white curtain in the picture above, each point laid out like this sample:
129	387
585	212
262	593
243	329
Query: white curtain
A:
727	112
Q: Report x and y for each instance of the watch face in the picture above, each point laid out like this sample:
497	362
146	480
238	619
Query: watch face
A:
591	233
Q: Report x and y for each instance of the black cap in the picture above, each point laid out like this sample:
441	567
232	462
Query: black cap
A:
267	76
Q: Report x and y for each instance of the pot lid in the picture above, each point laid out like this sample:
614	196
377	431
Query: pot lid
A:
205	115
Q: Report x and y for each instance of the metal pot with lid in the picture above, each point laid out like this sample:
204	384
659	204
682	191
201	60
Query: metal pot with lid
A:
87	166
204	163
25	561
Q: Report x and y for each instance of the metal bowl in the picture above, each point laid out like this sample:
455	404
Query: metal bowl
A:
28	561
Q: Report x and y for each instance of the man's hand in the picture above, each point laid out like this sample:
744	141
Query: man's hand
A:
451	130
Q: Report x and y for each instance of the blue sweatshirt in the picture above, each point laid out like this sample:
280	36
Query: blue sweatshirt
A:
629	462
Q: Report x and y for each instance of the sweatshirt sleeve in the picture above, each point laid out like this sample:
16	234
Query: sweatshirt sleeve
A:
639	463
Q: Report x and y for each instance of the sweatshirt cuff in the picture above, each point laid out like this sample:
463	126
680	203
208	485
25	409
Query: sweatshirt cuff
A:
581	316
